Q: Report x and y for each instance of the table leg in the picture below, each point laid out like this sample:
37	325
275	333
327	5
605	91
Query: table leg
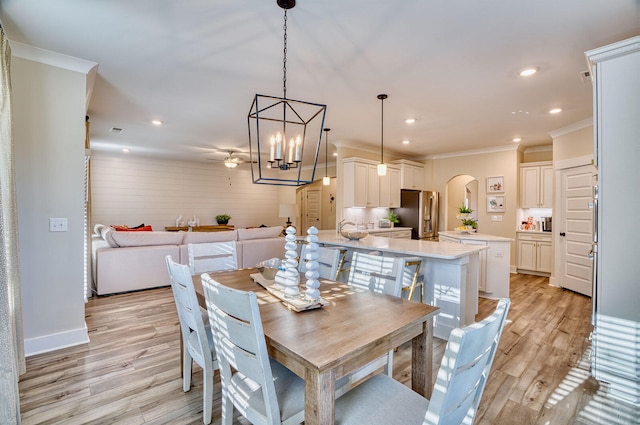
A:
422	360
319	397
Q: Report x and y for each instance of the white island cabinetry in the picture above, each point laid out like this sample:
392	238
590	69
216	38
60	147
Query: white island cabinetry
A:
494	262
450	272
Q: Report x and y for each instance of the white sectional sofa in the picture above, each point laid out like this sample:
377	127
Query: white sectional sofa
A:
129	261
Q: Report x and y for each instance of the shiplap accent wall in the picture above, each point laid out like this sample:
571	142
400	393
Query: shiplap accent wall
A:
130	190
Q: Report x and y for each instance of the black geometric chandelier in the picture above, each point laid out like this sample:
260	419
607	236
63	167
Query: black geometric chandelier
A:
284	134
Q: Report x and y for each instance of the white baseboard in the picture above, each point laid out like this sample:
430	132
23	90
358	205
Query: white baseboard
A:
513	269
554	282
47	343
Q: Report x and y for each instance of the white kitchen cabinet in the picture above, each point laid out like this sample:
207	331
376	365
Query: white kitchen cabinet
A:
389	190
411	174
536	185
535	252
494	261
362	187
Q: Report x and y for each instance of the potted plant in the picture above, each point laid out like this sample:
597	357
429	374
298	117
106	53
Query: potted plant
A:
393	218
464	211
223	218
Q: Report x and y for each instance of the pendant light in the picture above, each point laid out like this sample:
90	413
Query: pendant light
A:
382	167
326	180
284	134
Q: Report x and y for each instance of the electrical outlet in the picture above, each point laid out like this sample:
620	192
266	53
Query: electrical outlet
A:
58	225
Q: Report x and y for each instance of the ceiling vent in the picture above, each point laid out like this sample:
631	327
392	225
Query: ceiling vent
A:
115	130
585	76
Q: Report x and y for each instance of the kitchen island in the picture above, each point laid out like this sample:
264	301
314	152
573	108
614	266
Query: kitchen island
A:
494	262
451	273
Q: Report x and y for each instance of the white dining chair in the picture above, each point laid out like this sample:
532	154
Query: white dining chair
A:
197	340
328	261
380	274
260	388
457	392
212	256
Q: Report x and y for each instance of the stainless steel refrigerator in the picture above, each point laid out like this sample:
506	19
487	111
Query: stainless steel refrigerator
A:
419	210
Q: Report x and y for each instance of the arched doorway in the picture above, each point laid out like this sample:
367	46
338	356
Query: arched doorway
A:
460	190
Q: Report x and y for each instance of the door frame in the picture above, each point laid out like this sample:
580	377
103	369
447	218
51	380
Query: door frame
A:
559	167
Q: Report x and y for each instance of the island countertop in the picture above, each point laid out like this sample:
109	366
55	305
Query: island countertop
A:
475	236
420	248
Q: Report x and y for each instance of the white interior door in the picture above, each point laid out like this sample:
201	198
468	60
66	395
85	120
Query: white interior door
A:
313	210
575	229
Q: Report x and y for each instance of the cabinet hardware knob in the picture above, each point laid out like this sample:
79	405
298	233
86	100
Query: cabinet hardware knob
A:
563	234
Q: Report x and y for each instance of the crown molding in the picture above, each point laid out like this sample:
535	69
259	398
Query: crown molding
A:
571	128
476	152
47	57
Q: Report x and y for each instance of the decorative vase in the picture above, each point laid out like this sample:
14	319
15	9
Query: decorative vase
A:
291	275
312	274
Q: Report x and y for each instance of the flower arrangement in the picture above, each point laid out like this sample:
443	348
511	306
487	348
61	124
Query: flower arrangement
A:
223	218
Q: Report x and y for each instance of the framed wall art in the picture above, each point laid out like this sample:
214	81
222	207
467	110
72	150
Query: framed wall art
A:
495	204
495	184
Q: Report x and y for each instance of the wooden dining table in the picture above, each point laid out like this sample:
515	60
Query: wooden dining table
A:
327	343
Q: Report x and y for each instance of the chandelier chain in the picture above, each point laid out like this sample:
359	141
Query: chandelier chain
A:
284	58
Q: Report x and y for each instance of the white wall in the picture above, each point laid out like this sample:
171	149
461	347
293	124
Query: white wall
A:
129	189
49	134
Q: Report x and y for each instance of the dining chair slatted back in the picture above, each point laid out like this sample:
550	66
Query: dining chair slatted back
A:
376	273
197	340
460	382
260	388
465	368
328	261
212	256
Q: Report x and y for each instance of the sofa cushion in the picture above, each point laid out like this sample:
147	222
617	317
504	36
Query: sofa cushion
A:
147	238
107	234
206	237
259	233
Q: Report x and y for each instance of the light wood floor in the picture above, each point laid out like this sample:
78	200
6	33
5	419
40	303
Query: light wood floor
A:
130	371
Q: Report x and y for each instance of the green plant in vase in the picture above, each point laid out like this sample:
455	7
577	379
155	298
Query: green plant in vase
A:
223	218
393	217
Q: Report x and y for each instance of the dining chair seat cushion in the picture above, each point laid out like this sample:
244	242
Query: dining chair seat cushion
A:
388	402
289	389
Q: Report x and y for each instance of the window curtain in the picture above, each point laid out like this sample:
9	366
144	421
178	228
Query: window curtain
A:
12	364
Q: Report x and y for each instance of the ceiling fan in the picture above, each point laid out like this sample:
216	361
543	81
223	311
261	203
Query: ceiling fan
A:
232	160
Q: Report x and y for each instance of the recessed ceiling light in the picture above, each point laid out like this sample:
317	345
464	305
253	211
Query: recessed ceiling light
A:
157	122
410	120
555	110
528	72
517	139
126	150
335	154
406	142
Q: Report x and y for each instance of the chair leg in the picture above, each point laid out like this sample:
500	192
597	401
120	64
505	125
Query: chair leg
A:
186	370
207	394
227	408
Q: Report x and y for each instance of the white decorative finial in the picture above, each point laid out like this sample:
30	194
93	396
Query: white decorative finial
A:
312	274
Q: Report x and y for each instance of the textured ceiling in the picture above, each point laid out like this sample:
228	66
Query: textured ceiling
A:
453	65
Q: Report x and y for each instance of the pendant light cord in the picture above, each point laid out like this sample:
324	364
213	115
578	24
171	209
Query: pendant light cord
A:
284	58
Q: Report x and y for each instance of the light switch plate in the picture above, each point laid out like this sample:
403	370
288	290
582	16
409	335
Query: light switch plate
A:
58	224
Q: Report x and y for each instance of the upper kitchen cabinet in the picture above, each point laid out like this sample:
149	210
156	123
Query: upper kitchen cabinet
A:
411	174
362	187
389	193
536	185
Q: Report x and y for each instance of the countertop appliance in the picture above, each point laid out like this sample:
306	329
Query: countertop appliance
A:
546	224
419	210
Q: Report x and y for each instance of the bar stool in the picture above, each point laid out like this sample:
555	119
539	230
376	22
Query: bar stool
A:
416	278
